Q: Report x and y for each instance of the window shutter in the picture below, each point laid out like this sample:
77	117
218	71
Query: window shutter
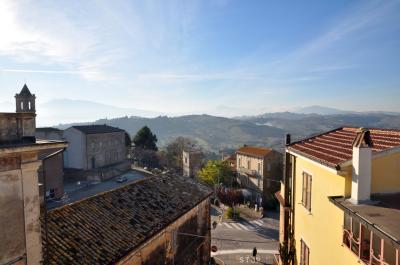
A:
304	188
307	256
309	182
301	251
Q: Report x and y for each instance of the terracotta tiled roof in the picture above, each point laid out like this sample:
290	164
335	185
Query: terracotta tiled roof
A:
104	228
254	151
335	147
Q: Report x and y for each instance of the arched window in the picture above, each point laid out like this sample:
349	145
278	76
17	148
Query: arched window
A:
29	105
22	105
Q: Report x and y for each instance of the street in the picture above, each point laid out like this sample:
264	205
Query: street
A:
235	240
79	190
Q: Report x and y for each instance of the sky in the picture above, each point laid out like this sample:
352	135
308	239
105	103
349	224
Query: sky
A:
219	57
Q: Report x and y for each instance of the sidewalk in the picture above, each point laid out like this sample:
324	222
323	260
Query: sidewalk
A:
249	213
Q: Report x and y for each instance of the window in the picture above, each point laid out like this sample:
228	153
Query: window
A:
306	192
268	167
259	168
304	254
240	162
248	164
29	105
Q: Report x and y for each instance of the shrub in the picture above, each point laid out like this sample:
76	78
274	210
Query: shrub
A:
231	214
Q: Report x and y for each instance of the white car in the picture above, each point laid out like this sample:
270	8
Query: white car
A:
121	179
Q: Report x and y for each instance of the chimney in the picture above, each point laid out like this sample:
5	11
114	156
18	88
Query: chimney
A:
361	177
287	140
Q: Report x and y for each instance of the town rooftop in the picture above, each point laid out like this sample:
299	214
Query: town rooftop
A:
106	227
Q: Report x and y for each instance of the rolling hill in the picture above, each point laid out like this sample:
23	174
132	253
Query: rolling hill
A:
215	133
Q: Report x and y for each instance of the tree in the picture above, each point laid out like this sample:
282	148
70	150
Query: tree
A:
216	170
229	196
145	139
173	152
145	157
287	250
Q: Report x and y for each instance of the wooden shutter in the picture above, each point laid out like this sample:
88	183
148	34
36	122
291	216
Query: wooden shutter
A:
304	254
304	189
309	182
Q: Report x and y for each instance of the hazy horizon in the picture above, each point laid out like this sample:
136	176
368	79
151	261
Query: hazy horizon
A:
225	58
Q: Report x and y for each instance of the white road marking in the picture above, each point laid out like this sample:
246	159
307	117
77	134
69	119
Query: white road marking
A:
228	225
257	222
236	226
249	251
243	226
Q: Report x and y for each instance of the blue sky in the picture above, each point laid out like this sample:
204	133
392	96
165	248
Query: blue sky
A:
219	56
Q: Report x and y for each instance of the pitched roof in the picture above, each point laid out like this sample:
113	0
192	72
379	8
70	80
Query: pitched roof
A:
336	147
105	228
48	129
94	129
254	151
25	91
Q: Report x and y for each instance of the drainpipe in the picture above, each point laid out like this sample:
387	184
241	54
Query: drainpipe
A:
286	178
44	201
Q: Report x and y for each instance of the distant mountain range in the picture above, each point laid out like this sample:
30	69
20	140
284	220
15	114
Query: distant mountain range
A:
303	125
332	111
215	133
211	132
69	111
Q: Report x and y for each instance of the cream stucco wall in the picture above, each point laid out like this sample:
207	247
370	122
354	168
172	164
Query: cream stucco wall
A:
321	229
386	173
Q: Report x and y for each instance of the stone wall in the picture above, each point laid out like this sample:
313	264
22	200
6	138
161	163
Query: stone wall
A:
105	149
17	127
19	208
53	169
171	246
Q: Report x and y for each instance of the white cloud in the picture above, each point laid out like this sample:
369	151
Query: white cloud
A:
39	33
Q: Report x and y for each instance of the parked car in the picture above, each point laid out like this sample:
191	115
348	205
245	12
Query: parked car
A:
121	179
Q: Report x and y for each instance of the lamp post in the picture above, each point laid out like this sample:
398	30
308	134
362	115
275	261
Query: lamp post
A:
217	184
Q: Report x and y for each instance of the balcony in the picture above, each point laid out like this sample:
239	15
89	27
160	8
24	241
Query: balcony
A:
250	172
367	246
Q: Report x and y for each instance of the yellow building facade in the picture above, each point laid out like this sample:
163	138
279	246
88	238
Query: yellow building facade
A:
317	199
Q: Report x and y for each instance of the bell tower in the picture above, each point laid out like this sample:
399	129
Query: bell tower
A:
25	101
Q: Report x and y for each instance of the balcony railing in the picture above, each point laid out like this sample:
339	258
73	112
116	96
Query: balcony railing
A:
249	171
362	247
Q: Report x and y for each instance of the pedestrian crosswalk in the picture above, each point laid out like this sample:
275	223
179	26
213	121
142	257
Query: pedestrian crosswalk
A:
243	225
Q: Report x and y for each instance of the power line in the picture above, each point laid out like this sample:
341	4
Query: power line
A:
222	239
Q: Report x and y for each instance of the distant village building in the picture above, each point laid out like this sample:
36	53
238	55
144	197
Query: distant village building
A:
53	167
161	219
232	161
49	133
94	146
259	169
192	162
19	184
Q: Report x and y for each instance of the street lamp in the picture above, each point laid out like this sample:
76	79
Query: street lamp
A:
217	184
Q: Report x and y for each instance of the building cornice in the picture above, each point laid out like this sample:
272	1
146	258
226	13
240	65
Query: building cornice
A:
40	145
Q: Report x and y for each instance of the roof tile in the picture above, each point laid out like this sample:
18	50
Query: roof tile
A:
104	228
335	147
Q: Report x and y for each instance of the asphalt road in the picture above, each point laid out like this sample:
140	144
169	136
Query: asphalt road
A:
80	190
235	240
